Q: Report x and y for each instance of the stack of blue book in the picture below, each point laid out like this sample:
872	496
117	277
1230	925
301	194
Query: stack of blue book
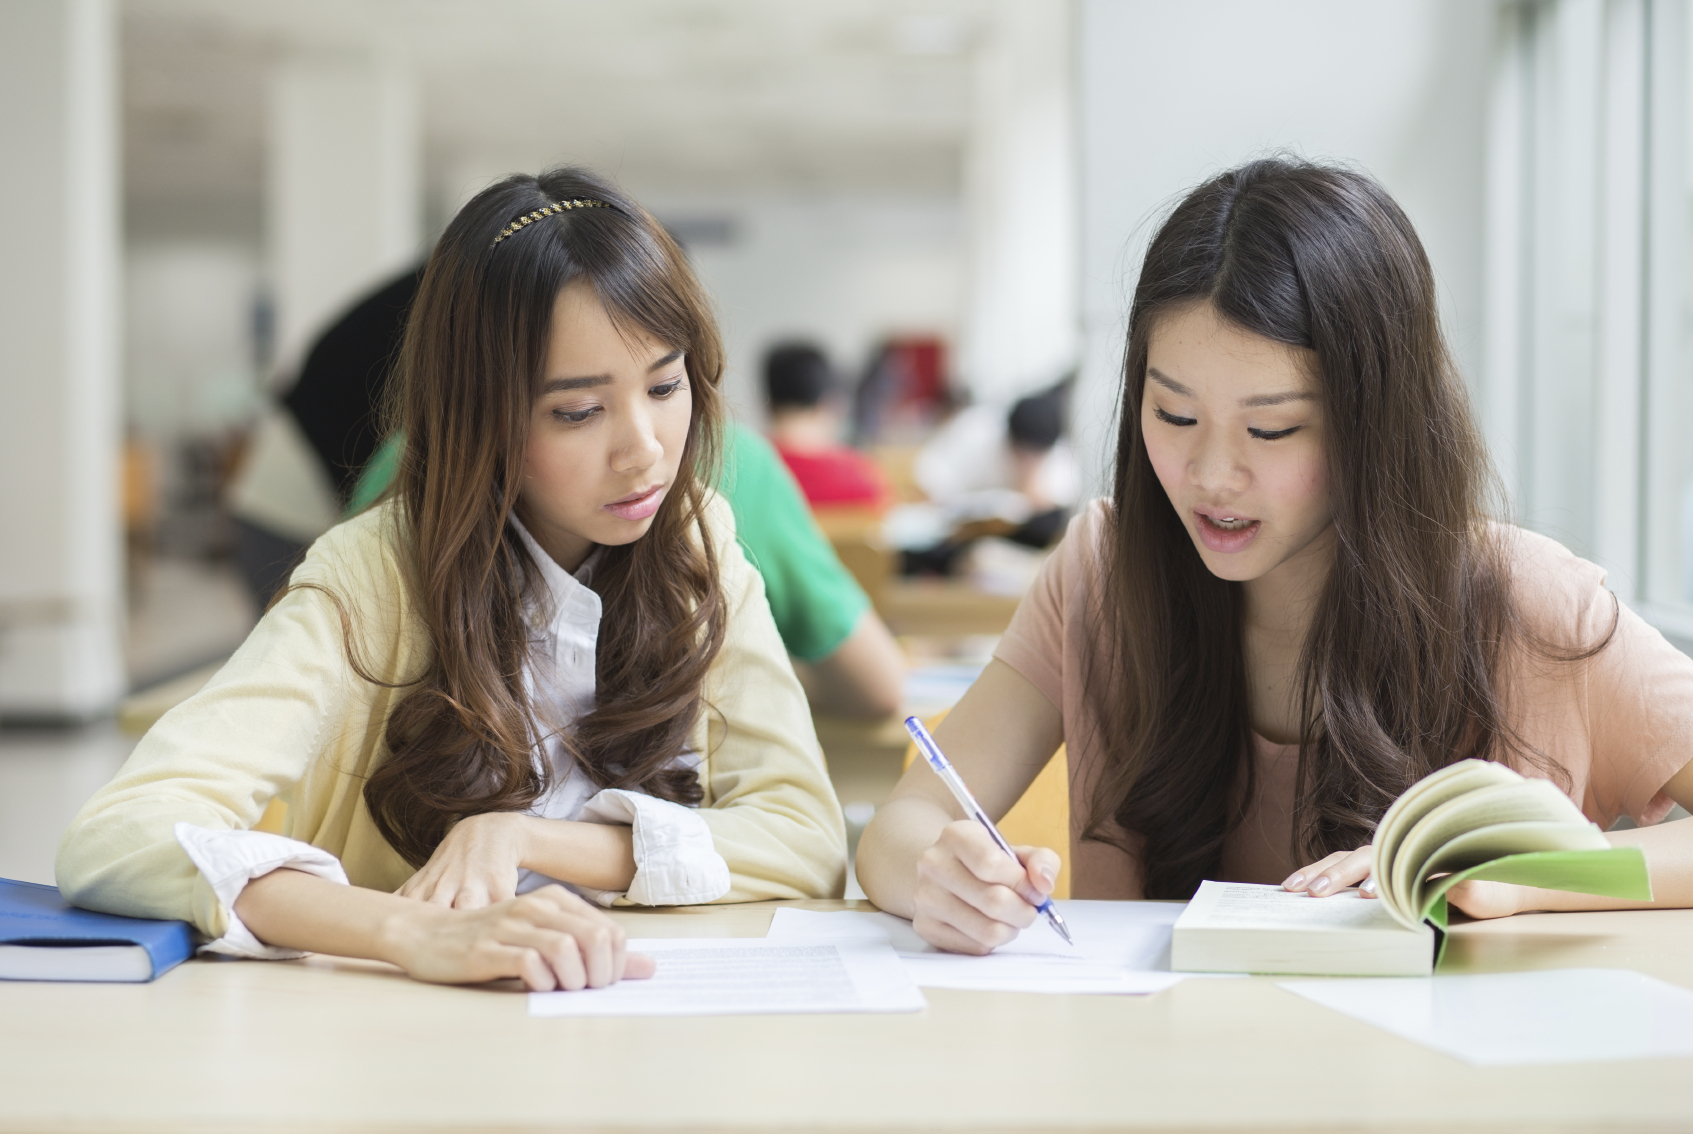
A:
43	937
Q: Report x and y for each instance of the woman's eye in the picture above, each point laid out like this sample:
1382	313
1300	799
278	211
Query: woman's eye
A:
1170	418
666	389
1273	434
575	417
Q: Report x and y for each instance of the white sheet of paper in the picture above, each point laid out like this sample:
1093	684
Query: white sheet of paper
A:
1121	947
1509	1019
735	976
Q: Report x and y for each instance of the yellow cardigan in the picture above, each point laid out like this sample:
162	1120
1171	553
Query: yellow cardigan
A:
288	718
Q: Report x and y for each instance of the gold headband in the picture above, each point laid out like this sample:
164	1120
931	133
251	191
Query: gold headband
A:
577	203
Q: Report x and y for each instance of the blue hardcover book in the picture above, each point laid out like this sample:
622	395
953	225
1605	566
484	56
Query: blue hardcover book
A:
43	937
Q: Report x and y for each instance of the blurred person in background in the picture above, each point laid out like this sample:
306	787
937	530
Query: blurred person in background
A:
847	660
990	472
307	452
807	413
903	393
1016	466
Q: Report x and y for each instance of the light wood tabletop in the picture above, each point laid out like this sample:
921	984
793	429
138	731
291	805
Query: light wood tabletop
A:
329	1045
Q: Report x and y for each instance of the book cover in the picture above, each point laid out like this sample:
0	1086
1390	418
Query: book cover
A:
43	937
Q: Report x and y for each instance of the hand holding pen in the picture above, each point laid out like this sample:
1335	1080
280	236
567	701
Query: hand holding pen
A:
943	768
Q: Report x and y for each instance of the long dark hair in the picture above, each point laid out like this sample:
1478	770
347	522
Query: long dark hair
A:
1399	674
462	741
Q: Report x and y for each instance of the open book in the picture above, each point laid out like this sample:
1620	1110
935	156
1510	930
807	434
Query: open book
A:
1472	820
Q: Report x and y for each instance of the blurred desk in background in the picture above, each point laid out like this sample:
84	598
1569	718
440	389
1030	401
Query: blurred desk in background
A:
942	608
865	758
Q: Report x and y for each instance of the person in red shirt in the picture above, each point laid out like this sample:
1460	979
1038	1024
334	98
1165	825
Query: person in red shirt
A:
805	420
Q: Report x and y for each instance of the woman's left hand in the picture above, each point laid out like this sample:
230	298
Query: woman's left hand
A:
476	865
1352	868
1333	874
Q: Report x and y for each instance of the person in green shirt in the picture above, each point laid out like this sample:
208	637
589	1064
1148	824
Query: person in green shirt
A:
847	660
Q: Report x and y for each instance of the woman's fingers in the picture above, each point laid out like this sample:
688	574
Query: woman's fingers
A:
995	900
1042	866
559	953
600	952
1298	879
968	843
600	942
959	926
1332	874
638	966
972	896
533	970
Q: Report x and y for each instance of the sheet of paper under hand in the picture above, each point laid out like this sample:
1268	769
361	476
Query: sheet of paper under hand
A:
1508	1019
735	976
1121	947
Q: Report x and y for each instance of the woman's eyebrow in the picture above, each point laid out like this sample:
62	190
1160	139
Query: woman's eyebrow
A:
1276	399
1169	384
554	385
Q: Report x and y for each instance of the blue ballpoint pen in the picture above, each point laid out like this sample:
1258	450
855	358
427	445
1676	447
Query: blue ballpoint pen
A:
949	776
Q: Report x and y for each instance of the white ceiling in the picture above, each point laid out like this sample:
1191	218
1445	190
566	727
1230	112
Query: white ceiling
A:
673	97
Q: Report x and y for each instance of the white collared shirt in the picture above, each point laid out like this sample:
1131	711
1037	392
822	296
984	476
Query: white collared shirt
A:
676	862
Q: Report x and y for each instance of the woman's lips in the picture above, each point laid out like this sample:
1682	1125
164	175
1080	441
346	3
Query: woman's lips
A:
1226	540
639	506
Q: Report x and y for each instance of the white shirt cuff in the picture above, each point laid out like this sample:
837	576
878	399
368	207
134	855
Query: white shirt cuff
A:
229	859
676	862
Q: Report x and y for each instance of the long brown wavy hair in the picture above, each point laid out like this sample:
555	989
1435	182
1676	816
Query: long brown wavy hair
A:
463	740
1399	674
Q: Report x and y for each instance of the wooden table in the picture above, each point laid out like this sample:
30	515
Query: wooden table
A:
325	1045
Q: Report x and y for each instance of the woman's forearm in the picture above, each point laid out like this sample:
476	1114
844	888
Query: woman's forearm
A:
597	855
901	831
291	909
1669	861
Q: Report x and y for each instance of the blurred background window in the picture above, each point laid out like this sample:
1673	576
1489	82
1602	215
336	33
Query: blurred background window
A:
1586	387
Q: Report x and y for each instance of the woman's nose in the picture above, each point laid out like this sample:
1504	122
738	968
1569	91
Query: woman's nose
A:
639	447
1215	465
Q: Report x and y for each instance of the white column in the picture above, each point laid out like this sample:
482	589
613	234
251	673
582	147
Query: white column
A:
1022	317
60	545
1619	356
343	184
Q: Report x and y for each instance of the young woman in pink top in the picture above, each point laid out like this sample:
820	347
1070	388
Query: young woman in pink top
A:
1296	603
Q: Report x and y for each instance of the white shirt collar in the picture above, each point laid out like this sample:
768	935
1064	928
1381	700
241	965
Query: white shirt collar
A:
567	595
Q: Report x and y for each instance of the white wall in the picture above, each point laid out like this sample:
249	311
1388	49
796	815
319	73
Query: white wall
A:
188	357
1169	94
1021	322
842	271
60	561
344	186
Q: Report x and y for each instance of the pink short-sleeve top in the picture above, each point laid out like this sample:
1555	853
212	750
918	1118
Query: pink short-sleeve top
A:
1620	723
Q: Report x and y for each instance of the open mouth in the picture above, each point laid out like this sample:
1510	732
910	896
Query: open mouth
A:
1226	533
638	505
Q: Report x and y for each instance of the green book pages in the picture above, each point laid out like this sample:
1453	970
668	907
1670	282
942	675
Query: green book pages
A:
1616	872
1477	820
1473	820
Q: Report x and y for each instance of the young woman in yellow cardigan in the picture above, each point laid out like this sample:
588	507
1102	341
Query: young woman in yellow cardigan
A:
541	659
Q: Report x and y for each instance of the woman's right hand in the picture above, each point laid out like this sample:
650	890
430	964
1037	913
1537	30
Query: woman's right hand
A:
548	938
970	897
